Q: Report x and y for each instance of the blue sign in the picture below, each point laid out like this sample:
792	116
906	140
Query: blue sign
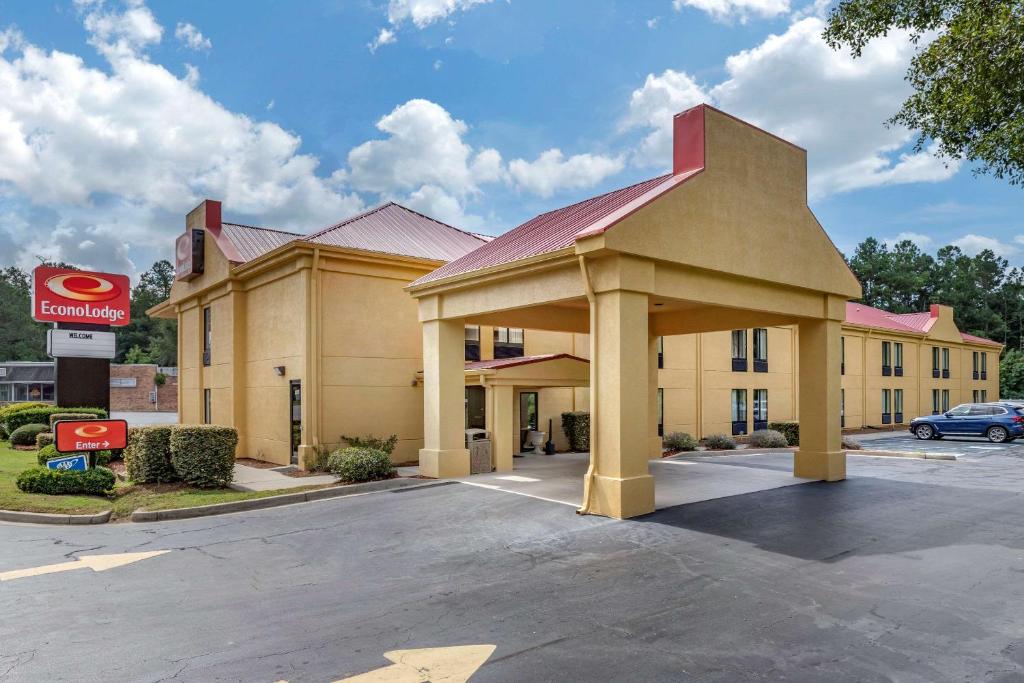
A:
72	463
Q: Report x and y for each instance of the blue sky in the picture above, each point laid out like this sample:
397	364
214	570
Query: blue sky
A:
117	117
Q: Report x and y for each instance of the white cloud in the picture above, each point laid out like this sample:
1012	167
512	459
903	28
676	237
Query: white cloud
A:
119	155
552	172
823	100
385	37
191	37
652	23
438	64
922	241
727	10
422	13
972	244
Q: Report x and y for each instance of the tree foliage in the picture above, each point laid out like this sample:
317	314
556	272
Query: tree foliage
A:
967	76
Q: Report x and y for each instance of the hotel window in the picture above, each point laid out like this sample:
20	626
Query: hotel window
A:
207	335
976	396
945	362
508	342
936	372
760	409
760	350
6	393
661	412
739	350
984	395
739	411
842	355
661	352
898	359
207	407
984	365
945	400
842	407
886	406
897	406
472	342
886	358
936	403
975	365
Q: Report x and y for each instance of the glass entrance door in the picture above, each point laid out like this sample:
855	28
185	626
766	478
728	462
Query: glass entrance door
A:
295	392
529	416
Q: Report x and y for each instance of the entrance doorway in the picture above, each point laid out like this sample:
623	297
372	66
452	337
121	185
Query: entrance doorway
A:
529	416
295	392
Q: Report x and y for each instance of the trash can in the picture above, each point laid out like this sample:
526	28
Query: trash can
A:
479	444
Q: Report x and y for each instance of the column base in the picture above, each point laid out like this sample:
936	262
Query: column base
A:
307	454
654	447
444	464
827	466
622	498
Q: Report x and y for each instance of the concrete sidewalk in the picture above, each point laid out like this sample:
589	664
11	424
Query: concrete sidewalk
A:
256	479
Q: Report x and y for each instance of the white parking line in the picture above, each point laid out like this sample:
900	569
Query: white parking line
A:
518	493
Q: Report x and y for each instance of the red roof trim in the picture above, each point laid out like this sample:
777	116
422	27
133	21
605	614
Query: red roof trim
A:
501	363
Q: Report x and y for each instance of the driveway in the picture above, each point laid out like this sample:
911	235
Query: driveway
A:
909	570
960	446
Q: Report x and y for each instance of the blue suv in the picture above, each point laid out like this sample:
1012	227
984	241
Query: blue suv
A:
999	422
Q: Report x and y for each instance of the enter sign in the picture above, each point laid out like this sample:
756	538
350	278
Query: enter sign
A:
72	436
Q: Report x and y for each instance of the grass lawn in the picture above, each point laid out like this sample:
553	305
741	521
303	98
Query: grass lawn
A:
126	499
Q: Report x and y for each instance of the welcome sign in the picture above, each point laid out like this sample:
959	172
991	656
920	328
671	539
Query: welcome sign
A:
62	295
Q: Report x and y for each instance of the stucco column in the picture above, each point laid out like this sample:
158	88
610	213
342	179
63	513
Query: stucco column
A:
654	441
503	432
444	451
622	486
821	454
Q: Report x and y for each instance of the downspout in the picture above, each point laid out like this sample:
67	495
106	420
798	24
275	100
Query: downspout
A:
584	509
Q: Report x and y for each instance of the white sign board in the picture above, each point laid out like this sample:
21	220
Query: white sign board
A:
124	382
80	344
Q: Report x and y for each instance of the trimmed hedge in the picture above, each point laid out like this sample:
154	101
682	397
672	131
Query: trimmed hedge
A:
680	441
147	458
12	408
576	426
44	439
790	430
41	415
71	416
48	453
719	442
204	455
360	464
768	438
94	482
3	432
370	441
25	435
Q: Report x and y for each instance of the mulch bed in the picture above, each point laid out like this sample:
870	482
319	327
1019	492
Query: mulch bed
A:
258	464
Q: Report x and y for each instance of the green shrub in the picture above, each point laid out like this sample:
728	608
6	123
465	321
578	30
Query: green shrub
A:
12	408
360	464
317	459
719	442
576	426
72	416
680	441
25	435
768	438
147	457
204	455
790	430
41	415
48	453
370	441
44	439
3	432
94	482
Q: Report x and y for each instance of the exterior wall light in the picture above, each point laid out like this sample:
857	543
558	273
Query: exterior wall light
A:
279	370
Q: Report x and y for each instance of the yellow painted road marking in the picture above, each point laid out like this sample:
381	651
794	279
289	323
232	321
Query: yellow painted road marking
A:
434	664
97	563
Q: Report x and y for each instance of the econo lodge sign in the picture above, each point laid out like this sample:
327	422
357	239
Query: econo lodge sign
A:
61	295
71	436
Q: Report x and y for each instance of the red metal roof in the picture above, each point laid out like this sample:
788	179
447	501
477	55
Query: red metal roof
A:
394	229
547	232
971	339
499	363
251	242
914	323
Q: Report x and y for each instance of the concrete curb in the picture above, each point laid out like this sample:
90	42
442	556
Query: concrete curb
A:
53	518
276	501
919	455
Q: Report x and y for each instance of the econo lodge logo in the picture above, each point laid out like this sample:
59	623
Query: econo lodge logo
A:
74	296
91	431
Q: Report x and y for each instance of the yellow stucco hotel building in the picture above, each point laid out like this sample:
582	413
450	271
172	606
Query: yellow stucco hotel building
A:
296	339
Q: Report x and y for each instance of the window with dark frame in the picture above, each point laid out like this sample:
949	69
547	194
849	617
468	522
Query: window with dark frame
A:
936	371
897	359
760	409
886	406
984	395
945	362
936	402
984	365
739	350
661	412
842	407
739	411
207	407
945	400
897	406
508	342
975	365
842	355
760	349
886	358
472	342
207	335
661	352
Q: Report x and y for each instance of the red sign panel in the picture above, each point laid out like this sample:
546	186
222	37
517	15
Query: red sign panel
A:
61	295
72	436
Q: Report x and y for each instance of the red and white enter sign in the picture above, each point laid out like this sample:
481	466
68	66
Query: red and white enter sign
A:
71	436
61	295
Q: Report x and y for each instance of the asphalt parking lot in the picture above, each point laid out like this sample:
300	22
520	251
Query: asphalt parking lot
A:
960	446
909	570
